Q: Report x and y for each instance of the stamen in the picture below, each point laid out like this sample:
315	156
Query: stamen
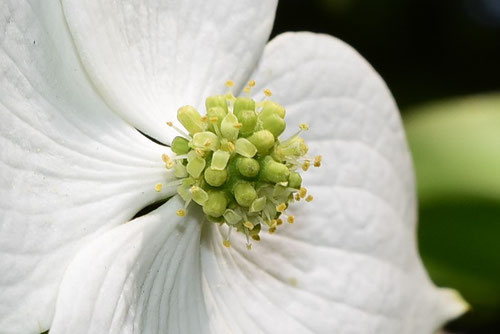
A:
230	83
304	126
272	230
181	213
227	243
309	198
158	187
306	165
179	131
317	160
267	92
303	192
291	219
281	207
279	221
249	225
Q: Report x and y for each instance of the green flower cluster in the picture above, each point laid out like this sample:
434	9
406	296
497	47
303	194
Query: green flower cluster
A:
232	163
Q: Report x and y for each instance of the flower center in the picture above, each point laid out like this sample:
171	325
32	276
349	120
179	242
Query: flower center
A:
232	162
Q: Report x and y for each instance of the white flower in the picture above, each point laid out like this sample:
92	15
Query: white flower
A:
76	80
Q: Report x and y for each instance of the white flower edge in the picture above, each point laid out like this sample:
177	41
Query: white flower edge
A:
146	71
348	264
70	168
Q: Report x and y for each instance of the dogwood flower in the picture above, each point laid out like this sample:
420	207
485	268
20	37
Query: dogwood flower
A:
79	78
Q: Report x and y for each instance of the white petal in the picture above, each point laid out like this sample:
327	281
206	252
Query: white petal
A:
349	264
148	58
70	168
141	277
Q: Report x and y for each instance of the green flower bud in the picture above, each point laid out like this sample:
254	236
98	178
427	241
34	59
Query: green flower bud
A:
206	140
263	140
258	205
216	101
196	166
275	124
216	204
199	195
273	171
190	118
294	146
271	108
217	112
244	193
294	180
248	120
215	177
245	148
180	170
180	145
243	103
247	166
220	159
231	217
229	127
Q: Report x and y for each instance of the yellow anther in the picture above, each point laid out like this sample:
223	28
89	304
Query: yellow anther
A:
267	92
272	230
303	192
256	237
249	246
248	225
309	198
158	187
181	213
230	147
194	189
305	165
251	83
279	221
291	219
226	243
297	197
274	222
238	125
213	119
200	152
281	207
317	160
304	126
208	143
170	124
204	119
165	158
247	89
230	83
169	164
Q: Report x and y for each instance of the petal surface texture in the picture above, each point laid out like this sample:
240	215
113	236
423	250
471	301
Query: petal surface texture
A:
141	277
162	55
70	167
349	263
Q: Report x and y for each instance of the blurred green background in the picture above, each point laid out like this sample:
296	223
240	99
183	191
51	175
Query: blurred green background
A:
441	60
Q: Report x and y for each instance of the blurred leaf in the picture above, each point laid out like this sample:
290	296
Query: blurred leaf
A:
456	150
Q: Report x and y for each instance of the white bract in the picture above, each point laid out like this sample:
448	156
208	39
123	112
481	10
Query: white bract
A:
78	78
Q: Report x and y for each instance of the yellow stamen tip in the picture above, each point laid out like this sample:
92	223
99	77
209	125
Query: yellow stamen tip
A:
238	125
272	230
251	83
213	119
297	197
226	243
256	237
302	192
306	165
267	92
248	225
165	158
274	222
279	221
304	126
181	213
249	246
281	207
231	147
291	219
170	124
204	119
309	198
247	89
158	187
230	83
169	164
